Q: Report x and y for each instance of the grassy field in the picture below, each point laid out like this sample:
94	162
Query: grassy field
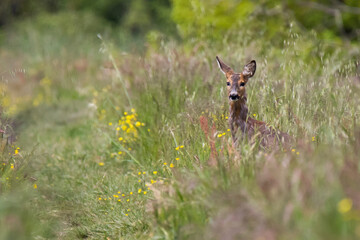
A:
116	143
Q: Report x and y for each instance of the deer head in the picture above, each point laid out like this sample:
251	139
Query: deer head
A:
236	81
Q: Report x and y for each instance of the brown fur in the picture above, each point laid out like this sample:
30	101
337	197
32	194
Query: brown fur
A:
241	124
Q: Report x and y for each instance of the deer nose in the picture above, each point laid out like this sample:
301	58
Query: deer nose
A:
234	96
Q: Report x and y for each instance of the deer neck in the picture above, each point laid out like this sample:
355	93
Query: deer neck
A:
239	110
238	116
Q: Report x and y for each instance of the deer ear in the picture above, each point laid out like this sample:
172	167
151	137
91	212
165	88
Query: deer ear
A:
223	67
249	69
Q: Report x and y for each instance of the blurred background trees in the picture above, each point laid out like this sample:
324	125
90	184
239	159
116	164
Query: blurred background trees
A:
137	16
331	19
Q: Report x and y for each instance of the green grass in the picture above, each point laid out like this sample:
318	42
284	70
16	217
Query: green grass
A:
306	87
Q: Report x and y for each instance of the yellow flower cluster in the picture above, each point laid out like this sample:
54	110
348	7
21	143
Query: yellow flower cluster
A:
345	205
132	198
16	151
294	150
179	147
171	165
221	135
127	129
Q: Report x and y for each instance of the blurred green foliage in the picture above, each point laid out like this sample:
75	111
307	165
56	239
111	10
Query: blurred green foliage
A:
137	16
205	18
213	18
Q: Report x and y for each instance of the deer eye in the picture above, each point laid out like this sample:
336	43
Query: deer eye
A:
242	84
228	83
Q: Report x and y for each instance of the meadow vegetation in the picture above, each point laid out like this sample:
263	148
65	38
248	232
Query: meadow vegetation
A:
127	138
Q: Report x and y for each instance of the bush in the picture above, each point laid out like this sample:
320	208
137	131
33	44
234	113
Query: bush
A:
212	19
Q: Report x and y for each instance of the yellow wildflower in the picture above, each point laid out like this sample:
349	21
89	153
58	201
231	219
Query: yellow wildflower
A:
182	146
138	124
128	200
126	214
145	192
139	173
118	192
171	165
144	172
119	200
120	152
293	150
177	148
177	159
345	205
117	129
35	187
115	196
313	139
101	164
110	123
254	114
124	127
297	153
139	191
120	139
125	113
133	110
228	130
123	195
155	172
165	163
12	166
131	193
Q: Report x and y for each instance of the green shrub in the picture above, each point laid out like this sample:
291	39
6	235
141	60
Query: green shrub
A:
212	19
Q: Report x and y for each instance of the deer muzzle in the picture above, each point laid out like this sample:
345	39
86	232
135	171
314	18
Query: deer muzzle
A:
234	96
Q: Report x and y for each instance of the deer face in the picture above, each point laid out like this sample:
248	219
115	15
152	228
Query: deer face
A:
236	81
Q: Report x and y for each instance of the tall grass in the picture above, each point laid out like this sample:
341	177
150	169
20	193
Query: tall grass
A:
177	168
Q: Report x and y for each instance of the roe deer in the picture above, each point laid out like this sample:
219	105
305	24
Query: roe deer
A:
239	121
